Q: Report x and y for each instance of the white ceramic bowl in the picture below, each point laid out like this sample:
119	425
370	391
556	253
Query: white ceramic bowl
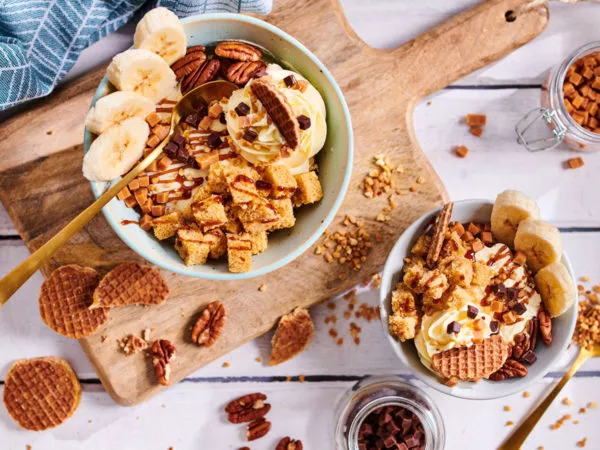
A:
562	327
335	159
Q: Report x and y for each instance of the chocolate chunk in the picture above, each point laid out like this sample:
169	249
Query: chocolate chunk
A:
390	442
472	311
171	150
179	140
495	327
242	109
384	418
362	446
411	441
529	357
453	327
213	140
519	308
401	446
202	111
222	118
290	80
512	293
303	122
182	155
192	163
406	424
366	429
192	120
250	135
499	290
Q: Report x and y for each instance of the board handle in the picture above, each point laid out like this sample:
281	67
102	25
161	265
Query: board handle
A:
465	43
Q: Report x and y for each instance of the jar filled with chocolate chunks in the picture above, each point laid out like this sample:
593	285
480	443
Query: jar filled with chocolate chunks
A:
570	105
387	412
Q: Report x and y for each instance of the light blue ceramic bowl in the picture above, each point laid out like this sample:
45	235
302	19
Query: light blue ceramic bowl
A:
335	160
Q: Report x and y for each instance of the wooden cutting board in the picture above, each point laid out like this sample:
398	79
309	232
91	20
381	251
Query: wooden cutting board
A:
42	188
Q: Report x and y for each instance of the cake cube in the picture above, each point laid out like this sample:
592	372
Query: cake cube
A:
242	185
166	226
217	243
309	189
190	245
259	242
210	212
239	253
285	211
282	181
258	216
217	182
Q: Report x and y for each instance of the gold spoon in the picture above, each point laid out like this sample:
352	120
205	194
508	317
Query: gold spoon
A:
188	104
516	439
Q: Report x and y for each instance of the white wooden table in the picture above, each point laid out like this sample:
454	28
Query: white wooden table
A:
189	415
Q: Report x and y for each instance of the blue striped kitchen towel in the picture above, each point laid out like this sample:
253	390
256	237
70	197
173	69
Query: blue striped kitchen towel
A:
40	40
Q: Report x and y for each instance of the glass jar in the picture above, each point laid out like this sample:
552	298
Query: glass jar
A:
372	393
548	126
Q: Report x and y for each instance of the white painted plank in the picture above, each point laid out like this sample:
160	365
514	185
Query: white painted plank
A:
193	418
389	23
24	335
497	162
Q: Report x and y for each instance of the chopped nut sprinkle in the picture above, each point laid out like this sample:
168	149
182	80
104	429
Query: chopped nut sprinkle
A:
587	330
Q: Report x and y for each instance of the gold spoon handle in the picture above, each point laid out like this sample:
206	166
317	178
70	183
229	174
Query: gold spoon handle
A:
516	439
20	274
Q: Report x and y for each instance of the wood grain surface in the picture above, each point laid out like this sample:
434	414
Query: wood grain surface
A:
42	188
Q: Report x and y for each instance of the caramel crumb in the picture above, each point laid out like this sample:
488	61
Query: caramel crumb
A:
506	408
262	287
288	379
340	341
462	151
50	132
582	410
567	401
509	423
592	405
526	394
226	364
541	447
585	278
582	443
575	163
576	422
90	421
301	378
258	359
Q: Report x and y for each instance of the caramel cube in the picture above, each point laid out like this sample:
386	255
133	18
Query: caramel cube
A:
520	258
146	207
162	197
144	181
164	162
217	243
569	106
509	318
578	117
476	131
259	216
592	109
205	160
587	71
476	120
496	306
124	193
161	131
575	78
468	237
153	141
462	151
209	213
146	222
152	167
477	245
285	210
157	210
308	189
134	185
577	101
205	123
239	254
153	119
575	163
147	151
130	201
592	122
487	237
190	245
215	110
166	226
569	90
473	229
282	182
141	195
459	229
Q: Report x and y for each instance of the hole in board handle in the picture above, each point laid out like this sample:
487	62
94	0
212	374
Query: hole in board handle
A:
510	16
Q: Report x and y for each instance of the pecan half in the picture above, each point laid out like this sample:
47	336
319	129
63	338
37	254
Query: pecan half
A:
241	72
533	329
206	72
163	351
258	429
510	369
193	59
521	346
545	324
289	444
239	51
247	408
209	325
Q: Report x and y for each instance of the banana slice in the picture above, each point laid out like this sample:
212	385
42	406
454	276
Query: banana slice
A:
556	286
115	108
142	72
161	32
116	150
540	241
510	208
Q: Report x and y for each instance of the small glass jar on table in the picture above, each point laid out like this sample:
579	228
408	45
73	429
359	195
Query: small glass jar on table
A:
569	110
371	395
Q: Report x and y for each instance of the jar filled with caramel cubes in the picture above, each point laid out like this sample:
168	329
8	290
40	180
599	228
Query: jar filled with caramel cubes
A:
570	105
